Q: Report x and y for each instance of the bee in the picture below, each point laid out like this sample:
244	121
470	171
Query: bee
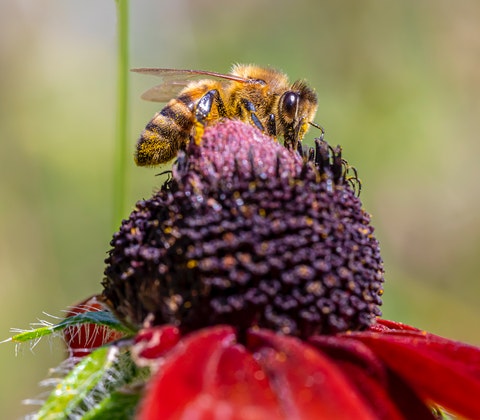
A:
260	96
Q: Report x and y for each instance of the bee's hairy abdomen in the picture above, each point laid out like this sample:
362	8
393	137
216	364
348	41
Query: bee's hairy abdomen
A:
165	134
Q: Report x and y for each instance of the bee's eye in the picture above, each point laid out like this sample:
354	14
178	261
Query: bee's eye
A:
289	104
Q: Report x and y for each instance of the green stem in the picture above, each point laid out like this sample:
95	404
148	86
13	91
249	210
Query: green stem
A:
121	135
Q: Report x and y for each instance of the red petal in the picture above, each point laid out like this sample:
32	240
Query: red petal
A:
388	396
153	343
208	376
308	384
241	380
442	371
82	339
387	325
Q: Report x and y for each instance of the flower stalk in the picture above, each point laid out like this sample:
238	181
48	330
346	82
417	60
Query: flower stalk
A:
122	122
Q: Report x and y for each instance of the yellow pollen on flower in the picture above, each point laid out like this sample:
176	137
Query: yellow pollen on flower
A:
264	246
314	287
303	269
192	264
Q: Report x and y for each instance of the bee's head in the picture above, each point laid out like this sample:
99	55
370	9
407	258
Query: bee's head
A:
296	109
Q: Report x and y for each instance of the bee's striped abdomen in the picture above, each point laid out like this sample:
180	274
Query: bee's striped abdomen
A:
166	133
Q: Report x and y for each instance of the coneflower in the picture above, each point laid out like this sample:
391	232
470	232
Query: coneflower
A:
251	282
246	233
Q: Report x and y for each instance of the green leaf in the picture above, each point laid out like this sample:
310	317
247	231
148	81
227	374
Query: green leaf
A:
105	318
92	389
118	406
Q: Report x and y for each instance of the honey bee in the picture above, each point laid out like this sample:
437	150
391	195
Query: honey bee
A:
260	96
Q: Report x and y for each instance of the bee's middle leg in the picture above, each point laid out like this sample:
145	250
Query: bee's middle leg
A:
204	106
203	110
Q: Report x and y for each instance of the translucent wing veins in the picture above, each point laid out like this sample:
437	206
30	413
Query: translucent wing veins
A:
174	80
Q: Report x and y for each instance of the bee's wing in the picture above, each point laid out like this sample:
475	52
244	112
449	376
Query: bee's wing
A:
174	80
163	92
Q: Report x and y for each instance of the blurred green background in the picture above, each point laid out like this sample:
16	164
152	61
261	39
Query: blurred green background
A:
399	87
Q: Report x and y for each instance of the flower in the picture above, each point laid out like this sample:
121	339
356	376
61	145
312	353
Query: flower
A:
252	283
248	234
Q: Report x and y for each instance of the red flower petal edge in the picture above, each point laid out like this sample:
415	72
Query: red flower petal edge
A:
443	371
386	393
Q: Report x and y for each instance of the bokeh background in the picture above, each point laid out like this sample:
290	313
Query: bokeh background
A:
399	88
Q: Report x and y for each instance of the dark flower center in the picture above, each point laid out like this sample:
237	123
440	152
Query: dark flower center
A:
247	233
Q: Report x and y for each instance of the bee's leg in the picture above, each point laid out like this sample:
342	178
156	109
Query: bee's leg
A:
204	106
271	126
203	109
251	109
289	138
